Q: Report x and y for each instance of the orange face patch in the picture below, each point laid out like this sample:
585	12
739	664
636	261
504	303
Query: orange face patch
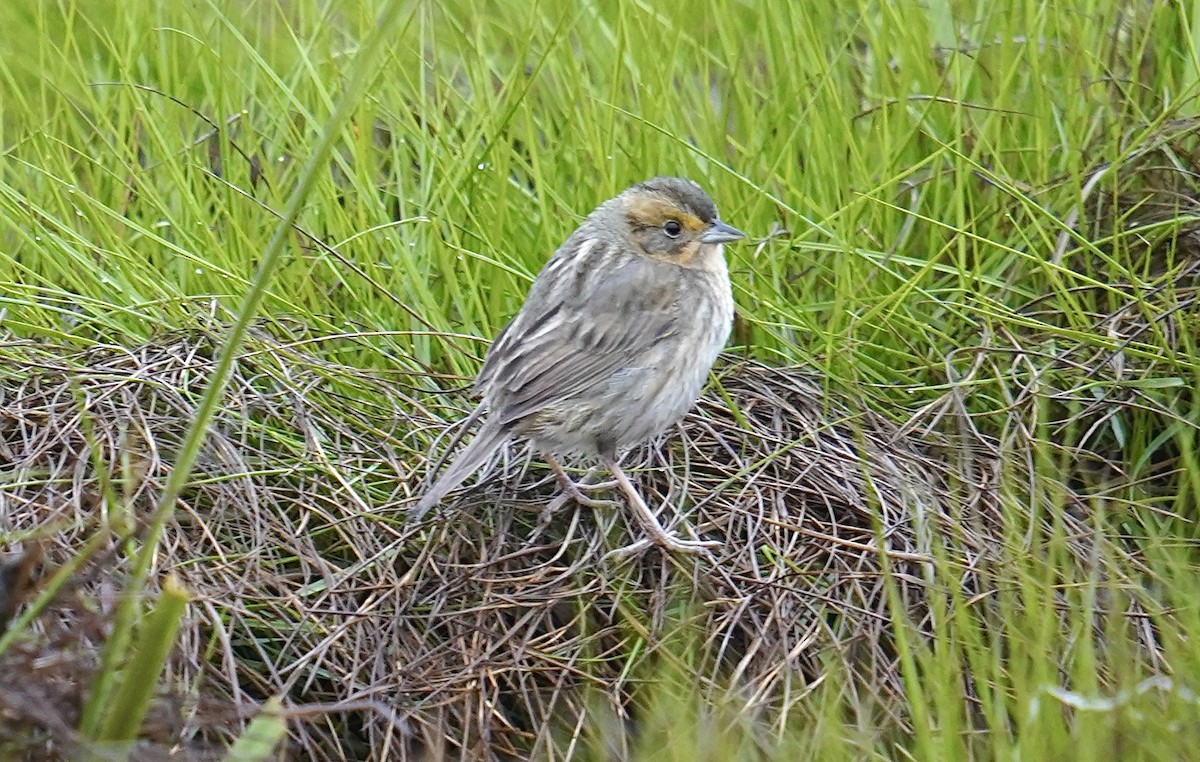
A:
653	212
687	254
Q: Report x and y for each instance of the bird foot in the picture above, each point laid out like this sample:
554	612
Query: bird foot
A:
666	541
573	492
656	534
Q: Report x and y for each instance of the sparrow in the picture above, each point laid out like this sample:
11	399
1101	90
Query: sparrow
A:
613	344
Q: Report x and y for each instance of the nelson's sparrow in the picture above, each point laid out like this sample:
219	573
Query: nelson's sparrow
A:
613	344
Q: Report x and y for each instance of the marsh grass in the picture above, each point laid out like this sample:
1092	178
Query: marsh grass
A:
975	233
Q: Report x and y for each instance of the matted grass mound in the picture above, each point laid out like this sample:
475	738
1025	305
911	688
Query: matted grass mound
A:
490	630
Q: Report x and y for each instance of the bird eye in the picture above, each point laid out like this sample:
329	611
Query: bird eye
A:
672	228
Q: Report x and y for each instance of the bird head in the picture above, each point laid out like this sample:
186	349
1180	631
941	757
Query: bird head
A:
674	220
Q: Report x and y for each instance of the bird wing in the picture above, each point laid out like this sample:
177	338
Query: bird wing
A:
573	332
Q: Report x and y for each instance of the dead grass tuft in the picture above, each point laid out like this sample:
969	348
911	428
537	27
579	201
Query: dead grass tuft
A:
486	630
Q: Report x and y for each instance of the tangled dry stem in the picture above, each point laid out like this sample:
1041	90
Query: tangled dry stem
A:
486	630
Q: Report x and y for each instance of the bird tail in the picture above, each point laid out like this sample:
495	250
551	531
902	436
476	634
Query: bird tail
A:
490	437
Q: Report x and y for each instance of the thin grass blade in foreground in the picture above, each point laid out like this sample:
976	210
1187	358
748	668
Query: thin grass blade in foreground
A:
139	678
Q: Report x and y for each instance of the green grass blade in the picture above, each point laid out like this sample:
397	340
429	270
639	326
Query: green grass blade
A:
261	737
139	679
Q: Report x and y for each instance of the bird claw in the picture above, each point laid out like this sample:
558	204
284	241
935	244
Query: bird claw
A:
582	486
574	494
656	534
573	491
666	541
629	551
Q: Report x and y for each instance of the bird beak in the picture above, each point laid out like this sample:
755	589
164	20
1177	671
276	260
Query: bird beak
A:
719	232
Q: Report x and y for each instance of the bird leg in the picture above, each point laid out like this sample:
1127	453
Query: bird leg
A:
655	531
573	491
